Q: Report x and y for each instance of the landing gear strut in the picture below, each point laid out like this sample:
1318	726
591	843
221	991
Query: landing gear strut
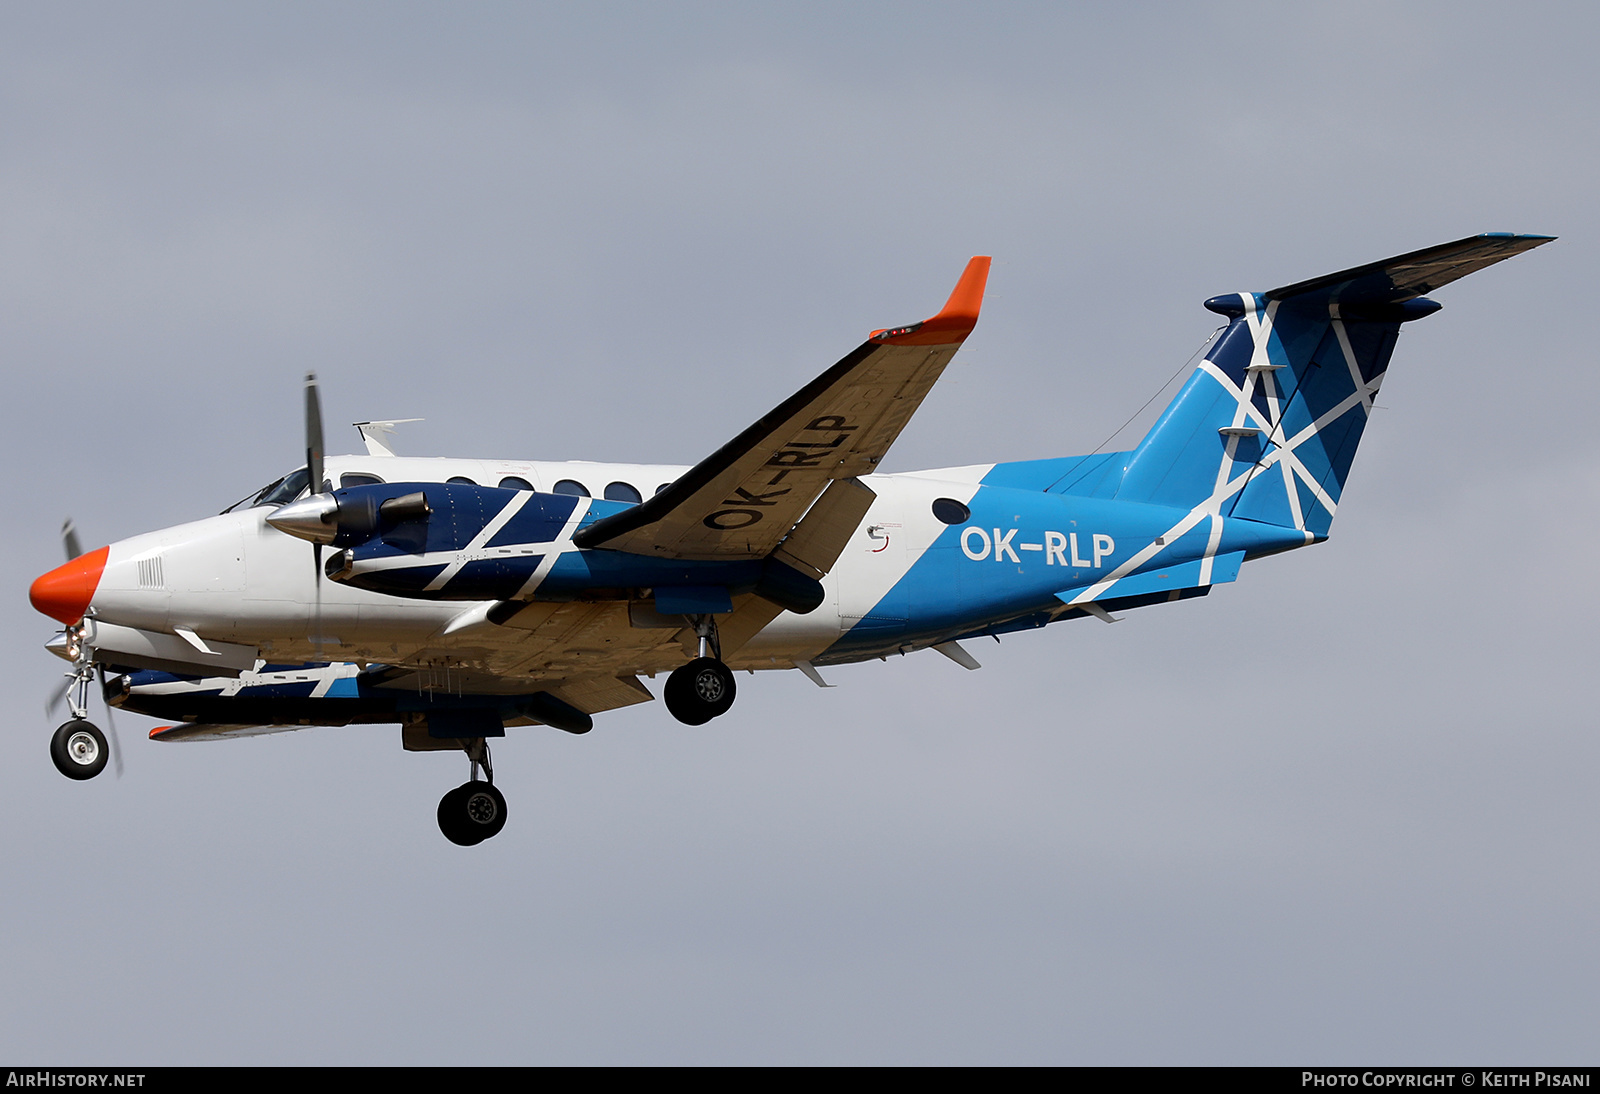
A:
475	810
78	748
704	688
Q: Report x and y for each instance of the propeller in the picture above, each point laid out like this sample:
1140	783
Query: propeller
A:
111	723
57	693
73	549
322	518
314	451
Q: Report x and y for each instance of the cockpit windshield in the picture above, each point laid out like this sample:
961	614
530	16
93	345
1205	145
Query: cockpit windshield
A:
280	492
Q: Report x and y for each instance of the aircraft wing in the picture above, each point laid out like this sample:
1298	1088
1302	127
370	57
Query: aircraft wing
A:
743	499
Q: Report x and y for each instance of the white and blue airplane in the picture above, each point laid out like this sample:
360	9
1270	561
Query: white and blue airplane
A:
462	597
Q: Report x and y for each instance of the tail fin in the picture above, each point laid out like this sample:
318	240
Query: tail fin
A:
1268	424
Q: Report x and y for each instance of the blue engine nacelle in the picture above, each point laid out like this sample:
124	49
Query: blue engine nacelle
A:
454	541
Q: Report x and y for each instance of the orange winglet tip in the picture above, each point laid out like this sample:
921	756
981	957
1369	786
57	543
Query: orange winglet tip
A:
955	320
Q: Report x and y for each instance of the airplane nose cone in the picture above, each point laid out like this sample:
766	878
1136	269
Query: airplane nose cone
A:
64	593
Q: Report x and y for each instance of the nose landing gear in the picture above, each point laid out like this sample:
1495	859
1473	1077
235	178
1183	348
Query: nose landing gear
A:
475	810
78	748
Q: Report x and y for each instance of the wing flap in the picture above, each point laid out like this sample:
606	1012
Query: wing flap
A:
601	693
819	539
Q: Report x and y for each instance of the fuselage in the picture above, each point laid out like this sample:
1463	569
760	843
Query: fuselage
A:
940	555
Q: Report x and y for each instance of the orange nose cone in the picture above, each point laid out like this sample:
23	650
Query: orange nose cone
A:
64	593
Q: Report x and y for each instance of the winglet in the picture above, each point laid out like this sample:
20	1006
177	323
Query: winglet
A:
955	321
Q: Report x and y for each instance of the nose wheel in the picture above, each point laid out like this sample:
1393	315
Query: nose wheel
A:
79	750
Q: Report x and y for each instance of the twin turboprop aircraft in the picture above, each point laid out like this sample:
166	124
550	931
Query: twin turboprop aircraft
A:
461	597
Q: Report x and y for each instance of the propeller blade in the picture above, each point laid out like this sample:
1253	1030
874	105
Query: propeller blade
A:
111	723
313	433
53	700
69	540
316	577
314	471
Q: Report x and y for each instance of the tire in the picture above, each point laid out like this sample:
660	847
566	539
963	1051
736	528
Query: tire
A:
79	750
472	813
700	691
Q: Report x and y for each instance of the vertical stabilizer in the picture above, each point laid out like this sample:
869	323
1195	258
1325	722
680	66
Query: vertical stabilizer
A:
1267	426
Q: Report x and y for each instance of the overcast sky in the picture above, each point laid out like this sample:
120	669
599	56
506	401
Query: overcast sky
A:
1341	811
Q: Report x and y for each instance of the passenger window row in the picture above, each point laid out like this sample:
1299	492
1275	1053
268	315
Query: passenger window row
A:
616	491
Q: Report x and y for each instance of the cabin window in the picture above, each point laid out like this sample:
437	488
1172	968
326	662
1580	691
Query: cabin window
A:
568	486
951	511
621	491
662	487
285	489
512	482
461	479
358	478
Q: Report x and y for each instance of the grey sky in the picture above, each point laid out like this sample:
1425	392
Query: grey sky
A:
1343	810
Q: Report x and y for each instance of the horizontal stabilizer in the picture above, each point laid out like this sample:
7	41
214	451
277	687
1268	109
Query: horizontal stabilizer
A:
1417	273
1194	574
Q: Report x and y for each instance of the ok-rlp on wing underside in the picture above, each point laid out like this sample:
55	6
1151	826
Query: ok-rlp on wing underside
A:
457	608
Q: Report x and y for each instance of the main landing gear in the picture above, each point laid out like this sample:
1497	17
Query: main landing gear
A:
475	810
704	688
699	691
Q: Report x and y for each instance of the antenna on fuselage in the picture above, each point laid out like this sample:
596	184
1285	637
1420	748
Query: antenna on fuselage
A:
376	434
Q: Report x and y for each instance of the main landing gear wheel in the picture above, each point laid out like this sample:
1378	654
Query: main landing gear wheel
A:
472	813
699	691
79	750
